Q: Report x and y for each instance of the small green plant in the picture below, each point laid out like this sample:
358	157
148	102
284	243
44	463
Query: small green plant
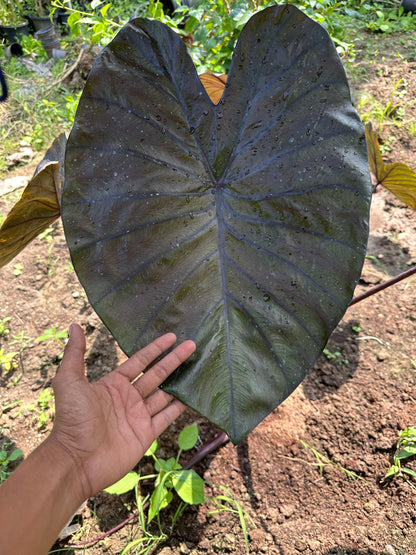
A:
9	406
7	361
405	449
6	458
50	262
22	340
52	335
17	270
169	477
336	355
43	409
4	330
322	461
227	503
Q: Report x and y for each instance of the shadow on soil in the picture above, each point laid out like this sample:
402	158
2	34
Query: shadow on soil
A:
336	365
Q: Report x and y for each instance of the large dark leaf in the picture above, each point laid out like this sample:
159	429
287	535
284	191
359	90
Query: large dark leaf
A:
241	225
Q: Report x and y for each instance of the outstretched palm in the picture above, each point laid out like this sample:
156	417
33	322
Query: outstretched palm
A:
107	426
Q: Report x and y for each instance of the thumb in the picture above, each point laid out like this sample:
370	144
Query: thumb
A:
73	359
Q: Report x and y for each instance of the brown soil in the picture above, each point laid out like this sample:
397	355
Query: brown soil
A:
350	408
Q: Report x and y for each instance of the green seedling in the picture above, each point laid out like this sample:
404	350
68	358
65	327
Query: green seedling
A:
169	477
6	458
337	355
228	503
43	409
22	340
17	270
15	381
322	461
4	330
50	335
405	450
9	406
7	361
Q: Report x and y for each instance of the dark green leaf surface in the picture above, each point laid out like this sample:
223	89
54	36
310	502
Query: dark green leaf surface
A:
241	225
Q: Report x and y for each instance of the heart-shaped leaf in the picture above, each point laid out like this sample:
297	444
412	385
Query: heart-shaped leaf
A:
241	225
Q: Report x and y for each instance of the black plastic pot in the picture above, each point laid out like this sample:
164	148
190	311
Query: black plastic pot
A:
49	37
14	33
408	6
41	22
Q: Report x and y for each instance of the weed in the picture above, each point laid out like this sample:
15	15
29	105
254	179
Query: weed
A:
169	477
50	335
322	461
405	449
337	355
22	340
50	262
17	269
391	113
4	330
15	381
9	406
43	409
6	458
7	361
228	503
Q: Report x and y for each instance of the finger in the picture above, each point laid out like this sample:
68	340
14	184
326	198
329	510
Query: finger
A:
157	401
160	371
165	417
143	358
73	359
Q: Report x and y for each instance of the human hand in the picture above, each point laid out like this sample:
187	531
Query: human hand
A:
107	426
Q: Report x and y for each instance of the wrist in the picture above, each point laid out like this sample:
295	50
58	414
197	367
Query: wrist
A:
67	467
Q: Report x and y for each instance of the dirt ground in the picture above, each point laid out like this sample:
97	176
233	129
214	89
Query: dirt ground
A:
350	408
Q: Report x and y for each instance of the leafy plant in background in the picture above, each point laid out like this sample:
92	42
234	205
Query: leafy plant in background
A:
405	450
6	458
391	21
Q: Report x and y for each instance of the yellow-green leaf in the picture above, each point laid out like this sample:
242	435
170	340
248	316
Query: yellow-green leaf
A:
401	181
398	178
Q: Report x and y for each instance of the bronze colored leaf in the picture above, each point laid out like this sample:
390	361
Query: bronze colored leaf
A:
398	178
35	211
214	85
39	205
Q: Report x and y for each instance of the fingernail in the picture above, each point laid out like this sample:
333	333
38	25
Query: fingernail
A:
71	328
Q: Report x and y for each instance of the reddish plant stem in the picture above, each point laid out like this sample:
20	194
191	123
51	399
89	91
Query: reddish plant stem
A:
384	285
